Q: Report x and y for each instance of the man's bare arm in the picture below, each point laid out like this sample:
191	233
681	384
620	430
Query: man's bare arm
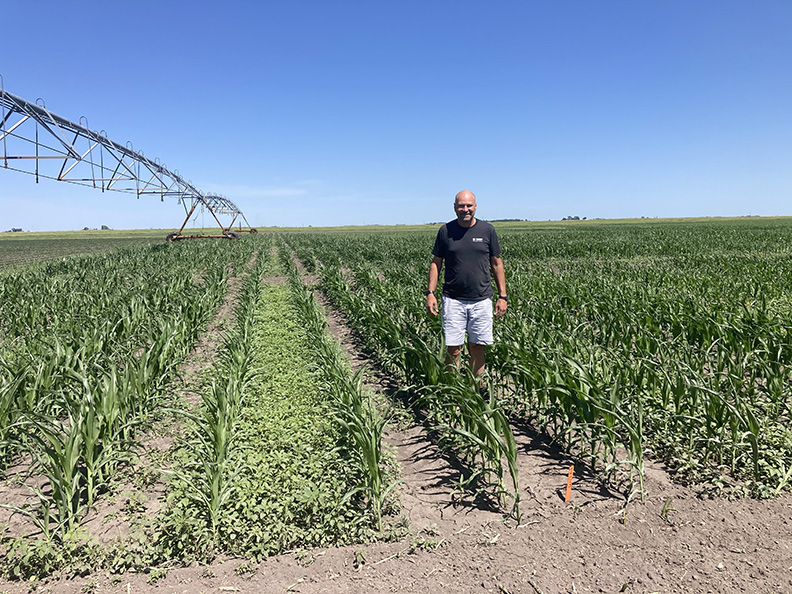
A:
500	281
434	275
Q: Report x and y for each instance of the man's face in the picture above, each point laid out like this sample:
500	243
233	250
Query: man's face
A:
465	209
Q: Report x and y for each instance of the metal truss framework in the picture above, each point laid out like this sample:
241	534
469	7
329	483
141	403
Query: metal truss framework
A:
41	143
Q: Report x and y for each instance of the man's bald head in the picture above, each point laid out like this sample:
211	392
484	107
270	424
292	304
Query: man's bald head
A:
465	208
466	195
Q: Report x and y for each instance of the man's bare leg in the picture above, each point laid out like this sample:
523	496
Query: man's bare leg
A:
453	354
476	358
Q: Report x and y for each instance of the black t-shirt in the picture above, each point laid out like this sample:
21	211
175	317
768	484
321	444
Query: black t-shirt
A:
467	252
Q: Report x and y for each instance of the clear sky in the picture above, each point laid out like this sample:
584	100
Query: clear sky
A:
322	112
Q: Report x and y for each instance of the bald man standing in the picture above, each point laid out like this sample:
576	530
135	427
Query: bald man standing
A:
470	249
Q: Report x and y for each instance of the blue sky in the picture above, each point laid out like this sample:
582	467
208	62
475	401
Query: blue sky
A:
374	112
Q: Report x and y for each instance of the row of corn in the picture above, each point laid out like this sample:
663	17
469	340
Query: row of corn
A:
88	347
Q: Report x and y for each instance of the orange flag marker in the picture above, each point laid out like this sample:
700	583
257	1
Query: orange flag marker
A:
569	483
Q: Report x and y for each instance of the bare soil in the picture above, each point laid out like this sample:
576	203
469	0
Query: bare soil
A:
674	541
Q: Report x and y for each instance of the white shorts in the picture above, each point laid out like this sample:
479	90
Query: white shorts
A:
473	317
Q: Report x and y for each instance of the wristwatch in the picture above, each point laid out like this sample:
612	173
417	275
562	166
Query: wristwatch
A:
427	293
503	297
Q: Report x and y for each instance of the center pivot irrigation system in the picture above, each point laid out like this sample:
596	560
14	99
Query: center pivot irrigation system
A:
41	143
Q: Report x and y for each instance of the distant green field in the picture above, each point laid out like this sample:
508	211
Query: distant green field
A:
19	249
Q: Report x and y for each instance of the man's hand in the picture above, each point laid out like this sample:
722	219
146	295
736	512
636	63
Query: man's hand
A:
431	304
500	307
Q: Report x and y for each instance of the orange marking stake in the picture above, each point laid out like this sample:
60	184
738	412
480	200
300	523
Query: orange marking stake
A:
568	495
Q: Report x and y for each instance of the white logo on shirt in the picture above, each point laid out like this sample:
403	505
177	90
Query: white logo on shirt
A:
478	239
